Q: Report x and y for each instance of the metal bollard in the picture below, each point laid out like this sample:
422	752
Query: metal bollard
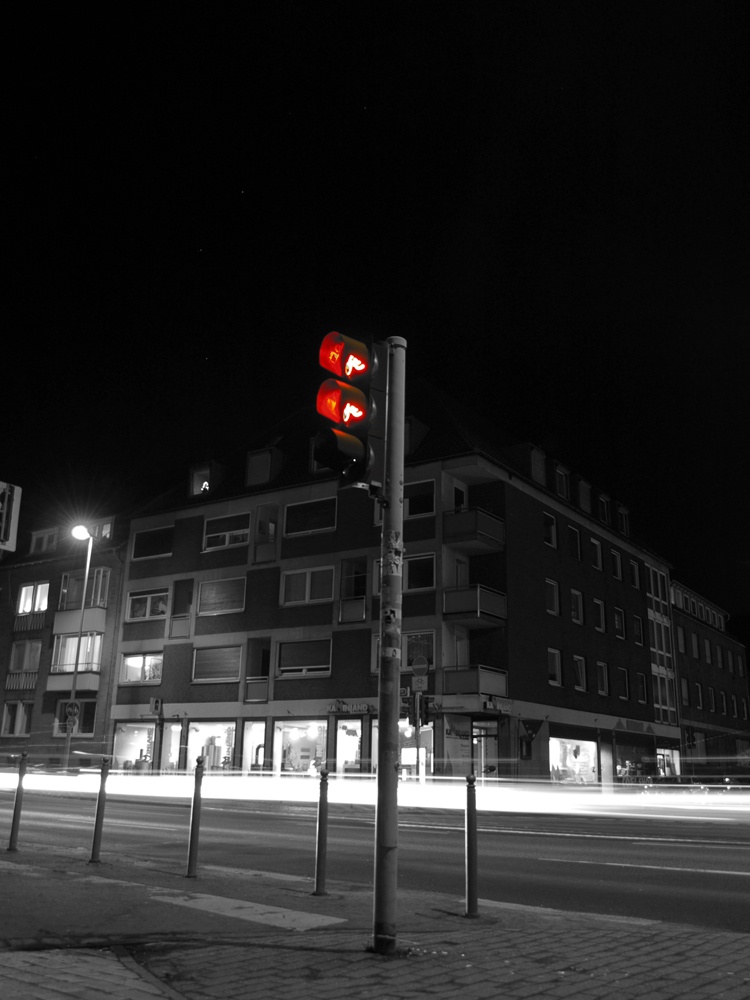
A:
195	821
472	908
322	842
101	802
22	765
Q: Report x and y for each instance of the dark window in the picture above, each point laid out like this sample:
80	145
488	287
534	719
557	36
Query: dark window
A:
219	664
316	515
219	597
419	498
153	543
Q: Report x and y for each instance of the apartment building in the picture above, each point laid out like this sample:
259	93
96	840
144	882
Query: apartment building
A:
43	609
714	695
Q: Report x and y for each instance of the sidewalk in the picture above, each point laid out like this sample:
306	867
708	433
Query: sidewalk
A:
138	930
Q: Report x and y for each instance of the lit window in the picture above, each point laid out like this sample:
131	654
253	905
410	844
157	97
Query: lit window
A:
148	604
66	649
33	597
307	586
141	668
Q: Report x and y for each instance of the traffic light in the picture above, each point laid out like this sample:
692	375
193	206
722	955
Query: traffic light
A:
424	711
354	402
406	705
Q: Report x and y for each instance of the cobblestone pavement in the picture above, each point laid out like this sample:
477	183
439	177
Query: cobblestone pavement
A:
133	930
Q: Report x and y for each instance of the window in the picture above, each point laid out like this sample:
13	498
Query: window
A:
550	530
694	644
685	691
740	666
584	495
313	515
576	606
17	718
100	529
602	678
25	655
600	621
604	509
33	597
698	696
744	708
719	657
596	554
219	664
553	597
419	573
419	499
579	668
623	520
622	673
642	688
711	700
221	597
141	668
707	648
562	482
414	645
574	542
83	724
734	705
307	586
635	575
619	623
96	590
616	565
44	541
730	661
147	604
638	630
665	707
353	577
66	647
150	544
554	667
723	697
680	639
221	532
701	613
310	658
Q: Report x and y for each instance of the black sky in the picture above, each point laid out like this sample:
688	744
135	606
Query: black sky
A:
547	200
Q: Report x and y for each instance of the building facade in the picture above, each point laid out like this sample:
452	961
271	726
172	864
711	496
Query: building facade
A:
43	610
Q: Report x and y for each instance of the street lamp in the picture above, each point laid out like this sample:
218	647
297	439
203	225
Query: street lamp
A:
80	532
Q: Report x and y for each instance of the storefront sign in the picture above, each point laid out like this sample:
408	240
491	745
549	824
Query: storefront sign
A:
356	708
498	705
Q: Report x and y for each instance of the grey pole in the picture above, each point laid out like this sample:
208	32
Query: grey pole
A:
472	907
101	802
195	821
321	852
71	718
391	571
18	802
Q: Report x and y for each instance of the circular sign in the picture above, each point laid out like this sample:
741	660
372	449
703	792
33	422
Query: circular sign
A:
419	666
72	709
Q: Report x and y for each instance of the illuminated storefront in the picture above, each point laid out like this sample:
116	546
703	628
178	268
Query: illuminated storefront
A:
299	746
573	761
214	741
134	746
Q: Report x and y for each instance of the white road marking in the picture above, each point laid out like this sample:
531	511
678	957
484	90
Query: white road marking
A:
659	868
260	913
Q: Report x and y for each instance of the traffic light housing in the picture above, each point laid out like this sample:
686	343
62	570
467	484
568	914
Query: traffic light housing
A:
354	402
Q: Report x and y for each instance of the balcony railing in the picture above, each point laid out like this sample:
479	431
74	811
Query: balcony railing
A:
23	623
24	680
86	679
475	605
472	529
476	679
256	689
352	609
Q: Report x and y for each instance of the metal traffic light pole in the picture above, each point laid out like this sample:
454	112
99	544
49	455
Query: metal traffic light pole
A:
391	565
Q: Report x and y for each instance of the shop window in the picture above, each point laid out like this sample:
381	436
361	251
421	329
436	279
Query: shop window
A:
134	746
572	761
299	746
214	742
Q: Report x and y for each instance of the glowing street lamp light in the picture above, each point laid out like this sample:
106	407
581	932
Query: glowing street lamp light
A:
80	532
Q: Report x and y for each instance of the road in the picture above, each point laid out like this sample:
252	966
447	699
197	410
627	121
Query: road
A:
684	868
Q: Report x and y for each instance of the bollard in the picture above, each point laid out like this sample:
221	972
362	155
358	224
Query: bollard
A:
322	844
472	909
101	802
22	765
195	821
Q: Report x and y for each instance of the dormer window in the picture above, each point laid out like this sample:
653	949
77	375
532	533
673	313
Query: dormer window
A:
44	541
204	479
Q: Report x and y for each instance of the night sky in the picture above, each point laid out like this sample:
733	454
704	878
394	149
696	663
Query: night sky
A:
547	200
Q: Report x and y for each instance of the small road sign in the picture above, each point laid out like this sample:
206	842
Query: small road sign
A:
419	683
72	709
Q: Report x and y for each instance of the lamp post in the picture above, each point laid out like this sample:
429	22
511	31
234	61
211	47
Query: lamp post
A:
80	532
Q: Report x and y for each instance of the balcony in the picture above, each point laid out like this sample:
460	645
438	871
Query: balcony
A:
489	682
33	620
23	680
67	622
86	680
475	607
473	531
256	689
